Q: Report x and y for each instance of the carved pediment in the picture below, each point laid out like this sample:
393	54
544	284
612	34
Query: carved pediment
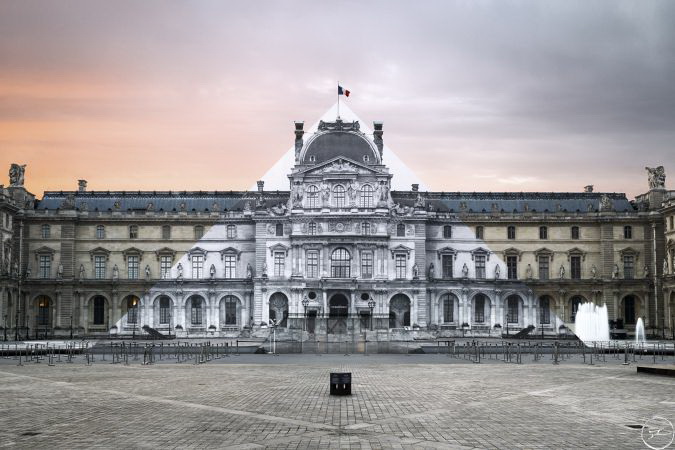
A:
401	249
340	165
543	252
446	251
132	251
480	251
197	251
511	251
44	250
576	252
99	251
279	248
165	251
230	251
629	251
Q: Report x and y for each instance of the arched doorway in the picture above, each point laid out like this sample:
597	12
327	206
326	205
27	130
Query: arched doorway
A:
230	310
131	305
575	301
279	309
513	310
98	313
196	312
481	310
399	311
338	312
162	312
630	309
43	317
545	305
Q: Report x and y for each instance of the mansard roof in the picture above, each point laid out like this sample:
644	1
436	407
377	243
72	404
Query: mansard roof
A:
509	202
327	145
158	200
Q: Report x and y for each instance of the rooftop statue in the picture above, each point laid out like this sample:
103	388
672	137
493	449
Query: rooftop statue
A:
657	177
16	173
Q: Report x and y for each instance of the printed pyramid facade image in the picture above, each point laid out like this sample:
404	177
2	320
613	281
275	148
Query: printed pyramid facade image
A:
276	178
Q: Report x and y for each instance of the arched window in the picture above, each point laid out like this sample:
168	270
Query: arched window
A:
629	310
132	309
230	310
448	305
312	196
100	232
199	232
166	232
339	196
43	311
340	263
196	311
279	229
99	310
512	309
447	232
400	230
545	310
367	196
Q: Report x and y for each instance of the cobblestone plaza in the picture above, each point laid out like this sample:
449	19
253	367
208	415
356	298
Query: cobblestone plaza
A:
255	401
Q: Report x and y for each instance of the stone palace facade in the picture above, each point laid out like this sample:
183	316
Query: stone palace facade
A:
338	252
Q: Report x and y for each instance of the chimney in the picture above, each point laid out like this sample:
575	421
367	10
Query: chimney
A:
415	187
377	137
261	185
82	185
588	188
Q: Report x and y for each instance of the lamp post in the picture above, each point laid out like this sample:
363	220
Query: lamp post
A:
71	326
305	303
16	325
169	325
135	309
371	305
5	328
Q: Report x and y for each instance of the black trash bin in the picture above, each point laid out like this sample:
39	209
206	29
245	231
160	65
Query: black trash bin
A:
340	383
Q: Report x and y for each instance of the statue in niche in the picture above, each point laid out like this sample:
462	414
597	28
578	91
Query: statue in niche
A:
147	271
497	272
352	192
16	175
325	193
264	269
528	272
116	272
615	272
665	266
465	271
59	271
298	193
249	271
81	271
432	271
562	271
416	271
657	177
212	271
594	272
645	271
179	271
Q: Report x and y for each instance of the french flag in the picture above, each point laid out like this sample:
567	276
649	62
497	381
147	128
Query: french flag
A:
343	91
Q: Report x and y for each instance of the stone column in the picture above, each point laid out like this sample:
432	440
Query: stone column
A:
414	308
434	319
463	307
147	312
210	308
82	320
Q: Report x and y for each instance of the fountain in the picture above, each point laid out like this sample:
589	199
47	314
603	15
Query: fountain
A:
640	337
591	323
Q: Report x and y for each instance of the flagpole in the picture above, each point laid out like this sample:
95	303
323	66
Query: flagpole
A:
338	95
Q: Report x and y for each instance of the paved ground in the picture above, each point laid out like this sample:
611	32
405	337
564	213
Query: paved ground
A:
282	402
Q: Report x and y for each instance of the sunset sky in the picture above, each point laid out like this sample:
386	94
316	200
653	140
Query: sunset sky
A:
474	95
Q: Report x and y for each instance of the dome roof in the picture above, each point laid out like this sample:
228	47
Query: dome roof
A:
328	145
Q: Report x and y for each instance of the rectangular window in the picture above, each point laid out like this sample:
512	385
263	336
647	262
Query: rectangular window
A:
401	266
312	264
672	222
231	231
311	228
132	267
544	273
166	232
230	262
46	231
165	262
447	232
164	311
279	264
99	267
628	267
511	232
628	232
99	311
45	266
545	313
448	309
543	233
512	267
100	232
479	232
366	264
365	228
197	266
512	312
575	232
480	266
133	231
575	267
446	265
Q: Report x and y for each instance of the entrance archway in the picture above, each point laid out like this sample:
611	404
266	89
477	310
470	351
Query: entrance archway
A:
338	312
399	311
